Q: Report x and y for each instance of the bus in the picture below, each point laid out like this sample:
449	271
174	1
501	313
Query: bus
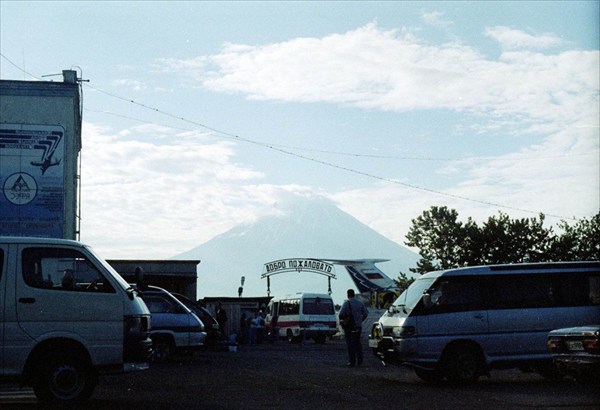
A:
301	316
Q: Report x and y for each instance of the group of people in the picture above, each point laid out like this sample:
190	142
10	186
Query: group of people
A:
352	314
252	330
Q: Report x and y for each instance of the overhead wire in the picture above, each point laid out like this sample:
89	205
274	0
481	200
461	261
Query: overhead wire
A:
327	163
285	150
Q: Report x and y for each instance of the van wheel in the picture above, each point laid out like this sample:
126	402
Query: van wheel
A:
463	365
291	338
64	379
162	348
429	376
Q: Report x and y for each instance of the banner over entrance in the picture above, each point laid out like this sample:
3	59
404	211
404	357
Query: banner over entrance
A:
298	265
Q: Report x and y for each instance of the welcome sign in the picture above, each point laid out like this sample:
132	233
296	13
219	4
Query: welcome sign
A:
298	265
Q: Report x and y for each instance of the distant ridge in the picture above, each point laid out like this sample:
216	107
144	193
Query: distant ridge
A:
302	228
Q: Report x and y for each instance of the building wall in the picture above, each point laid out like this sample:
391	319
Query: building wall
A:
173	275
40	144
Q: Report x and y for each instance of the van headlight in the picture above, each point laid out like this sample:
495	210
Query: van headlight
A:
403	331
137	325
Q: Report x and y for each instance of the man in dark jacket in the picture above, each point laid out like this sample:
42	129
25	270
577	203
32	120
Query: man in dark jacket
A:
352	314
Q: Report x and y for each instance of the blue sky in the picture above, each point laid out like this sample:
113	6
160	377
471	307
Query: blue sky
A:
386	108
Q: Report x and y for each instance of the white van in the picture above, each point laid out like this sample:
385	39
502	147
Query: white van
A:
302	316
65	317
460	323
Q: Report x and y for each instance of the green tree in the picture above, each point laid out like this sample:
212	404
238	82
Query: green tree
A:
505	240
439	236
578	242
403	281
444	242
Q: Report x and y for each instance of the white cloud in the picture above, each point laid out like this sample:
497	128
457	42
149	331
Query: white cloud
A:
180	194
559	177
138	192
392	71
435	18
518	39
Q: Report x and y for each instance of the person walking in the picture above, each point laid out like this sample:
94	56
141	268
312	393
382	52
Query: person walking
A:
352	314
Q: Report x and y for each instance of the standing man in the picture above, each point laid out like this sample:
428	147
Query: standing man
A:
221	319
352	314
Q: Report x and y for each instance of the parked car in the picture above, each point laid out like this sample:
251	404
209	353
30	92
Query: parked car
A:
211	326
174	326
576	352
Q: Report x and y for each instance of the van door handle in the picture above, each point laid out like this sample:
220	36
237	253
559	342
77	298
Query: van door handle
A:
27	300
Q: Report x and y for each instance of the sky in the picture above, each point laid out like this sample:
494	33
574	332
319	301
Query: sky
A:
200	116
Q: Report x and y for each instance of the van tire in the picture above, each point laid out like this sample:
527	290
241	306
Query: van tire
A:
293	339
63	379
462	364
162	348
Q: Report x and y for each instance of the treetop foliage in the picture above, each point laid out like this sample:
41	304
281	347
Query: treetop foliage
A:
444	242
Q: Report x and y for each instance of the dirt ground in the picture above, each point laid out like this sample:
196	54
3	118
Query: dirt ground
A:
312	376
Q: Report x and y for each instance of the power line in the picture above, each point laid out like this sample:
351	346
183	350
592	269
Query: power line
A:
18	68
351	154
326	163
285	151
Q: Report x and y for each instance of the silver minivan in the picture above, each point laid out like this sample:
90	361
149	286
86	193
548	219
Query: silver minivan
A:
65	317
460	323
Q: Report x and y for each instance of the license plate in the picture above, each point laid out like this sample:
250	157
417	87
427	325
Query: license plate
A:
574	345
373	343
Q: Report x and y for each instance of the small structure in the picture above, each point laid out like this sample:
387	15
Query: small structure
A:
237	309
178	276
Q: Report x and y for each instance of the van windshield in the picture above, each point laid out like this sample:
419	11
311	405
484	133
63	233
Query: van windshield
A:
411	296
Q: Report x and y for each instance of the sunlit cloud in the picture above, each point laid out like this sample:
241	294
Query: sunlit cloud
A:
187	187
139	192
435	18
390	70
518	39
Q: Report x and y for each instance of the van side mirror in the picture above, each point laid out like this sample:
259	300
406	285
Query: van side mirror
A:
139	277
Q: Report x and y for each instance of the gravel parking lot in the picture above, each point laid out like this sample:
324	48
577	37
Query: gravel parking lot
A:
311	376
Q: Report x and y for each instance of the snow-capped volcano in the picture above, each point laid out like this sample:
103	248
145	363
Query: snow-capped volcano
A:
311	228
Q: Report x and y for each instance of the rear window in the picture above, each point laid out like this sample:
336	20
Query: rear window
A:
542	290
158	304
318	306
518	291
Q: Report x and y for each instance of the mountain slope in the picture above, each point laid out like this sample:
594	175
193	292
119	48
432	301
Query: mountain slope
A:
304	228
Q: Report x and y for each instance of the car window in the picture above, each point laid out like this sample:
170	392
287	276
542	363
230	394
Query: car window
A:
455	295
518	291
62	269
159	304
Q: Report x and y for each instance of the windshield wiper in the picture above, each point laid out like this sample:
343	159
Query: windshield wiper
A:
394	309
